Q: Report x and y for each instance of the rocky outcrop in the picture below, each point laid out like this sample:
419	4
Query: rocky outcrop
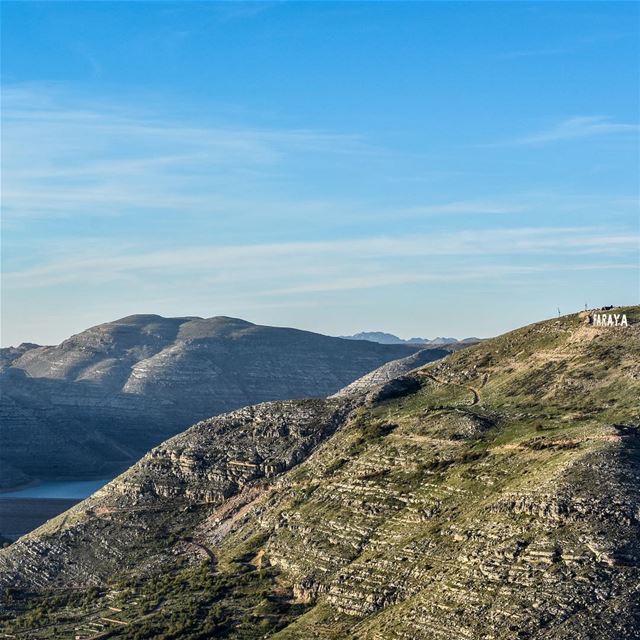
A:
416	514
391	370
97	402
206	465
10	354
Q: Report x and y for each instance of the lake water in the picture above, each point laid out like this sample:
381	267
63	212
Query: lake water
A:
21	515
25	509
77	489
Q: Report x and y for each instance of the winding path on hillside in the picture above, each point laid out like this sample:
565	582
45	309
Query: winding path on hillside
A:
472	390
212	557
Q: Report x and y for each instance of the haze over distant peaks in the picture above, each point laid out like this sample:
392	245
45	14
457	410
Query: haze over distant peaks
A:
389	338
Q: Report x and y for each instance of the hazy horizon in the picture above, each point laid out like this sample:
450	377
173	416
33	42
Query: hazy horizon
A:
365	330
445	333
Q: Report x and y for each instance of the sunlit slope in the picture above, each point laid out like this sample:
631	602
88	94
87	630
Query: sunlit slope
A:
94	404
499	500
493	494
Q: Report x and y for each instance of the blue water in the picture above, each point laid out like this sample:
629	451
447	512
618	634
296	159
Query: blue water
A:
76	489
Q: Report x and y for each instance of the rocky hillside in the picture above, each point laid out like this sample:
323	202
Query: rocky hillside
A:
97	402
490	495
386	372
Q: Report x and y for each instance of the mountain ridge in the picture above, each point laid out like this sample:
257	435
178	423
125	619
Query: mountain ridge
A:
382	337
101	398
490	494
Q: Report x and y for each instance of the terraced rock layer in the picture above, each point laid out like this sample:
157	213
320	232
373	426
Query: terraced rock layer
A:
94	404
490	495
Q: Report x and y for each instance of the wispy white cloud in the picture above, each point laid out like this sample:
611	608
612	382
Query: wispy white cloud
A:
386	258
101	159
532	53
564	48
66	159
467	207
479	274
578	127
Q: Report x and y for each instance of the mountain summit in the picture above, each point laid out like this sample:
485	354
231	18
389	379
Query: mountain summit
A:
102	398
491	494
389	338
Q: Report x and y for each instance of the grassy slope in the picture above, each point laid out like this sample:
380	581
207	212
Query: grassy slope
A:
441	545
427	515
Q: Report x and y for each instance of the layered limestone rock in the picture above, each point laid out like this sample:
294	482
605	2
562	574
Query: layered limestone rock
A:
97	402
212	461
478	497
387	372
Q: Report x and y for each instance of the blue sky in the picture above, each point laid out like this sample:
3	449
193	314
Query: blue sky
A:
420	168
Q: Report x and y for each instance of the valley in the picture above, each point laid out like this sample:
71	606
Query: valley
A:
91	406
490	494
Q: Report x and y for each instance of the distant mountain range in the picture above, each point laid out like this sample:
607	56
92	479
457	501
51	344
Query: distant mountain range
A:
98	401
388	338
491	494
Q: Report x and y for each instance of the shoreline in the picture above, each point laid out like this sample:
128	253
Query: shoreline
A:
31	484
20	516
75	489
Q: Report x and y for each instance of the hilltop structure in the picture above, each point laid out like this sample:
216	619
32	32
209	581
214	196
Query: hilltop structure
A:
491	494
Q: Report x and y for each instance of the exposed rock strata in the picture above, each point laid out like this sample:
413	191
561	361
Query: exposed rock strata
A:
410	515
97	402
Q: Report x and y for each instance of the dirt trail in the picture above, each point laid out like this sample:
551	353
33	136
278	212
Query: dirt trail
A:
212	557
561	442
475	393
223	521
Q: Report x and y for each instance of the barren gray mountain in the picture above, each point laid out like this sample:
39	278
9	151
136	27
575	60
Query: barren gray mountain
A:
98	401
491	494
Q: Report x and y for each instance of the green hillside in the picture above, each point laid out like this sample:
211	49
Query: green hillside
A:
490	495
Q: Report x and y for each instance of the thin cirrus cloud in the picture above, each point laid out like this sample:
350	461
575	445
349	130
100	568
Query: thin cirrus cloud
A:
62	160
531	53
66	159
493	272
564	48
578	127
253	265
466	206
